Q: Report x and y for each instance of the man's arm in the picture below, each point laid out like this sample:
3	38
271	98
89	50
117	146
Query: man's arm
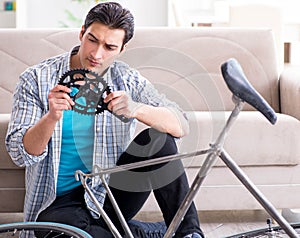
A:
168	120
37	137
165	119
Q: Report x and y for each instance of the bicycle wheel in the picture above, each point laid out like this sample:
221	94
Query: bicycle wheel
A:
41	230
276	231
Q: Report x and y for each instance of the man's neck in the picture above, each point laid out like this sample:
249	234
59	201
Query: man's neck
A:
74	60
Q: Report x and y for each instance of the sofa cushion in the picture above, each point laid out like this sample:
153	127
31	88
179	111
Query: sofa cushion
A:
185	63
252	141
37	45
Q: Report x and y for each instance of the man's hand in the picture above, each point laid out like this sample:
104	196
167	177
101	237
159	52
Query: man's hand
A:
59	100
121	104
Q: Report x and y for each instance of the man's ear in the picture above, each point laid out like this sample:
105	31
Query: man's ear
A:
81	33
123	48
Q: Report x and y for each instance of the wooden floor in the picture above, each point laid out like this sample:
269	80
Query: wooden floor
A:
219	224
214	224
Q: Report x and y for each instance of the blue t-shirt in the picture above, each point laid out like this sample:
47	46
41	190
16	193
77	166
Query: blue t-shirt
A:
76	149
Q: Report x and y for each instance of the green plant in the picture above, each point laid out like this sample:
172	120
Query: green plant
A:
71	19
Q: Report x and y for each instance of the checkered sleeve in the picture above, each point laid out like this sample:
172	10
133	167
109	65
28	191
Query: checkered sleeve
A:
26	111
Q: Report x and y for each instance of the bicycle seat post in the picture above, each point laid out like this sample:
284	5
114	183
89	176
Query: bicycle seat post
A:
239	104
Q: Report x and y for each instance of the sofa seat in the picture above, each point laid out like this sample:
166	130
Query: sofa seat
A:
221	190
246	141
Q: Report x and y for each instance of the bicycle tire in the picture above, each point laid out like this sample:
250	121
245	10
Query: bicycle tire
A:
265	232
49	229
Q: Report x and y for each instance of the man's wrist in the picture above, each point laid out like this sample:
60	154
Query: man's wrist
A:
140	111
48	118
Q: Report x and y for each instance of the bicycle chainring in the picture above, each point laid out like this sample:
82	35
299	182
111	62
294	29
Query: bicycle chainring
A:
88	90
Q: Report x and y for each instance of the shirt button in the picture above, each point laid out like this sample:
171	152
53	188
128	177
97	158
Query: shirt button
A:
98	129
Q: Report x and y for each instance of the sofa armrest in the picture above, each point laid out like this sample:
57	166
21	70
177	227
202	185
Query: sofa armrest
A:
289	83
5	160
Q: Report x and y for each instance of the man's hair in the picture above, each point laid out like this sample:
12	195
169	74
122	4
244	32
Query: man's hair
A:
114	16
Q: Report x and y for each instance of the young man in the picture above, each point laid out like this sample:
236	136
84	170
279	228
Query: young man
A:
52	141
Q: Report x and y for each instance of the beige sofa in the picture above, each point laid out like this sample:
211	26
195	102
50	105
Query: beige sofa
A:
185	65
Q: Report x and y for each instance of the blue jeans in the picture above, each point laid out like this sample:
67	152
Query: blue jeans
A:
131	189
147	229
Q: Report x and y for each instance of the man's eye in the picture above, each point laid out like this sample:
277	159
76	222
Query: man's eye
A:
92	40
108	47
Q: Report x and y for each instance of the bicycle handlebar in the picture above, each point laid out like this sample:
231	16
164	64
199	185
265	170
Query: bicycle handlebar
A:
240	87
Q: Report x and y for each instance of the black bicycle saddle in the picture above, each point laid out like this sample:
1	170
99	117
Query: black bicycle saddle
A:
240	87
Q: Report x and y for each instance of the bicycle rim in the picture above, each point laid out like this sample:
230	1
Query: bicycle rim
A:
41	230
276	231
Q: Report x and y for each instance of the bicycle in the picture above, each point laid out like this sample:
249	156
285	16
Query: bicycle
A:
243	92
42	229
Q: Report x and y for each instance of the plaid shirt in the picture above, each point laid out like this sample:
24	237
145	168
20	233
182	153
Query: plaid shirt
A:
111	135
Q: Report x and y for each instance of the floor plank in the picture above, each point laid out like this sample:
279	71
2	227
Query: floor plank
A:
215	224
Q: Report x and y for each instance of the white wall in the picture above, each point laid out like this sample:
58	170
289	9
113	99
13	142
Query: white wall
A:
290	7
47	14
148	12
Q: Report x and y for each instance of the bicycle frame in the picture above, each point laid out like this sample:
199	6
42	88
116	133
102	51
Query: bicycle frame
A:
240	95
219	152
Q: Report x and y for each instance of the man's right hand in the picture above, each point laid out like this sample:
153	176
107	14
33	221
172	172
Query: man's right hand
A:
59	100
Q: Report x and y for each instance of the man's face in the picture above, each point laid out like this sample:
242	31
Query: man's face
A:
100	46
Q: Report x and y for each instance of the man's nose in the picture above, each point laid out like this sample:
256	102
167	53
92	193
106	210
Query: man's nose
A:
98	52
